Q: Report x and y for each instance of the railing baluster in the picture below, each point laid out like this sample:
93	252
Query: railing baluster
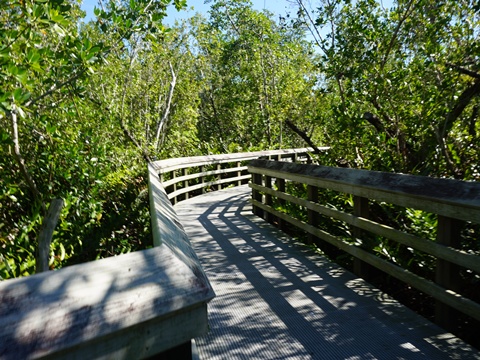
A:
447	274
361	209
281	187
185	182
268	199
239	173
313	216
173	176
202	179
219	167
256	195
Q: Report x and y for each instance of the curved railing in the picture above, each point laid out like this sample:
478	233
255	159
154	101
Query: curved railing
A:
138	305
453	201
189	176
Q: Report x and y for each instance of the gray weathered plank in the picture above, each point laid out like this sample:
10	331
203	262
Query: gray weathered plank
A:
179	163
279	300
452	198
130	306
102	301
449	297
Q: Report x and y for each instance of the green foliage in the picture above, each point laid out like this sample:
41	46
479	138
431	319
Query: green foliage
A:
257	75
56	142
122	223
82	106
414	69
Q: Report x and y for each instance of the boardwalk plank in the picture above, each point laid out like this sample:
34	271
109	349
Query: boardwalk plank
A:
277	299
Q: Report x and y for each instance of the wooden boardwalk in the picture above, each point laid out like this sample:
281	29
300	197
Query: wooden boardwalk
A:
277	299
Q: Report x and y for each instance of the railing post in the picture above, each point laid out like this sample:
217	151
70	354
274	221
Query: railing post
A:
185	182
202	178
281	187
268	199
239	173
313	216
361	209
173	176
219	167
256	195
308	158
447	274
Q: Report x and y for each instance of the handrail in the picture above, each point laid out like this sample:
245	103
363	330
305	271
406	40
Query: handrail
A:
130	306
117	307
200	173
452	200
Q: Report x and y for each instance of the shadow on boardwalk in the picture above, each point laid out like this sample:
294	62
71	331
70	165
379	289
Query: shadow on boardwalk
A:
277	299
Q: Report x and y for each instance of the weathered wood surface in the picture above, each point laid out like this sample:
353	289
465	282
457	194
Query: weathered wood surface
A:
203	174
122	304
446	296
188	164
279	300
168	231
179	163
127	307
452	198
206	184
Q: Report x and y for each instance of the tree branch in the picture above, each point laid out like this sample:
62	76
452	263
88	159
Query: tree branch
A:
163	120
46	233
395	33
471	126
316	35
375	121
55	87
303	135
463	100
464	70
19	158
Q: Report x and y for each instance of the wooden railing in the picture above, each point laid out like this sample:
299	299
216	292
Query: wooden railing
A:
453	201
133	306
190	176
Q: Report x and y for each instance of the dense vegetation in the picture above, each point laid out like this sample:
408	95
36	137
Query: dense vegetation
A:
84	105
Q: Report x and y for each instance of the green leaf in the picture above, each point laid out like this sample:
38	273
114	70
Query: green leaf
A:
21	75
12	69
94	50
33	55
20	96
38	10
51	129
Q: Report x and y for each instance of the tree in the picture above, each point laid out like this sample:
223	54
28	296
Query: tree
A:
151	90
46	142
403	83
257	73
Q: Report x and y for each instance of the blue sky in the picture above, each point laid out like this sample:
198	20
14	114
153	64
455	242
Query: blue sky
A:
275	6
